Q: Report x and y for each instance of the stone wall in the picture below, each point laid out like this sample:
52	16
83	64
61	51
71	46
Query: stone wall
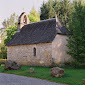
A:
24	54
59	49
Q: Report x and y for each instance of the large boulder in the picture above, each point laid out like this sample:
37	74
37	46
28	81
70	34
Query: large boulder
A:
12	65
57	72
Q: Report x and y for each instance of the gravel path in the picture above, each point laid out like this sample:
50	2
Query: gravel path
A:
11	79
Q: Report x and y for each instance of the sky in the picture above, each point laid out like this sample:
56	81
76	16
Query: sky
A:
8	7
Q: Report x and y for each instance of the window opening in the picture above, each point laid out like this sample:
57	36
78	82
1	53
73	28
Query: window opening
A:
34	51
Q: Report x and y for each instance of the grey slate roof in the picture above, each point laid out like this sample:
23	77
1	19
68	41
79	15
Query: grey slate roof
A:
38	32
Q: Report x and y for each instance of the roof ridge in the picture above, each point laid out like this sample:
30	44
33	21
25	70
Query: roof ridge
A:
42	21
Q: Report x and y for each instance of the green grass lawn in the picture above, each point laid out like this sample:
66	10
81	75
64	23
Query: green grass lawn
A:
72	76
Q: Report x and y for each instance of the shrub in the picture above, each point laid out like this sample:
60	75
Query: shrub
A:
2	61
74	64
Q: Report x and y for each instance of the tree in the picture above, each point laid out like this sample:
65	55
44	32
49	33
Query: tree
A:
34	16
10	32
8	25
47	10
76	41
6	33
3	50
10	21
63	9
3	53
2	33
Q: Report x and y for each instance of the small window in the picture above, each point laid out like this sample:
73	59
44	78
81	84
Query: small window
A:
34	50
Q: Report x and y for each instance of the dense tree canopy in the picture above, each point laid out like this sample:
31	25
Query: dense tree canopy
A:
63	9
34	16
10	32
76	41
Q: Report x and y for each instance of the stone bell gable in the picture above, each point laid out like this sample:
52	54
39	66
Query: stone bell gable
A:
38	44
23	20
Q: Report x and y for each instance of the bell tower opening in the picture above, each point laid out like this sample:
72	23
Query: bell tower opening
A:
23	20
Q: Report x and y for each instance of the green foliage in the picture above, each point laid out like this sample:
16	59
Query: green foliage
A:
34	16
74	64
10	21
63	9
47	10
3	50
76	41
2	33
7	25
2	61
10	32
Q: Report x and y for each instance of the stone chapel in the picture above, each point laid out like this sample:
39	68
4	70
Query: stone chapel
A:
38	44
